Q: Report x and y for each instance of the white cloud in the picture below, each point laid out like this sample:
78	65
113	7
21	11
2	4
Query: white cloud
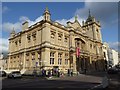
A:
105	12
64	21
114	45
3	45
24	18
5	9
9	26
35	21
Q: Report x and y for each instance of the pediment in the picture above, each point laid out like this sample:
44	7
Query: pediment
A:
76	25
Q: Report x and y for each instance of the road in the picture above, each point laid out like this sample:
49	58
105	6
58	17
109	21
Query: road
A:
86	82
63	82
114	79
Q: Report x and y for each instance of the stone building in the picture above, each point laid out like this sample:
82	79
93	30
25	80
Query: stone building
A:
3	62
115	57
50	45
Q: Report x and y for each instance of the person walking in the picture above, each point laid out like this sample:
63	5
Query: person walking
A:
68	72
49	73
71	73
58	74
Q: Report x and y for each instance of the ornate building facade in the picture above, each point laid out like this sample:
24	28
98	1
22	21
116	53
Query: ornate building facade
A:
50	45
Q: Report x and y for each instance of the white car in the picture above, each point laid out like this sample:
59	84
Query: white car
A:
15	74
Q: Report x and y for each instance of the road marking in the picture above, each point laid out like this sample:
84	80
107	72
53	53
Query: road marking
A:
100	85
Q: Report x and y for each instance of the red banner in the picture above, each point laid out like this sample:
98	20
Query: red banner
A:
78	51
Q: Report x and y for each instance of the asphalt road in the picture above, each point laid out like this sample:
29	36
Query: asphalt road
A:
85	82
36	82
114	79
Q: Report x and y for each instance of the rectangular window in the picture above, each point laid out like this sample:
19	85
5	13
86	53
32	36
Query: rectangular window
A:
66	61
59	58
39	55
51	57
16	43
66	58
51	60
19	42
104	55
59	38
33	56
34	36
28	38
52	35
66	39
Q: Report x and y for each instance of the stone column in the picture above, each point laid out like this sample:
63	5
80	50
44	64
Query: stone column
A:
46	33
63	62
74	63
24	60
56	58
45	57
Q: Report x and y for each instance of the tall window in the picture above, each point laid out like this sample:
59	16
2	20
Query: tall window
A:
66	58
27	57
98	34
34	36
28	38
59	38
33	56
77	43
66	40
51	57
104	55
59	58
16	43
39	58
27	60
91	46
52	36
19	42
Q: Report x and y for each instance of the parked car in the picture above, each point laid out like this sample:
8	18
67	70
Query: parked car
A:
15	74
113	71
2	73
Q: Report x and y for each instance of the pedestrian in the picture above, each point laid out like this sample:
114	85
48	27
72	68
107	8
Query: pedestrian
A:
71	73
68	72
44	73
58	74
49	73
85	70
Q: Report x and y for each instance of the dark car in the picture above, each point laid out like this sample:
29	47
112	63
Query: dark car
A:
2	73
112	71
15	74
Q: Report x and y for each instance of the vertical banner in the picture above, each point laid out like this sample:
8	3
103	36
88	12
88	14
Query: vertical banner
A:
77	51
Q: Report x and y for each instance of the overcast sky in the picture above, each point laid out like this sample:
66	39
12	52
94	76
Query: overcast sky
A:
13	14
